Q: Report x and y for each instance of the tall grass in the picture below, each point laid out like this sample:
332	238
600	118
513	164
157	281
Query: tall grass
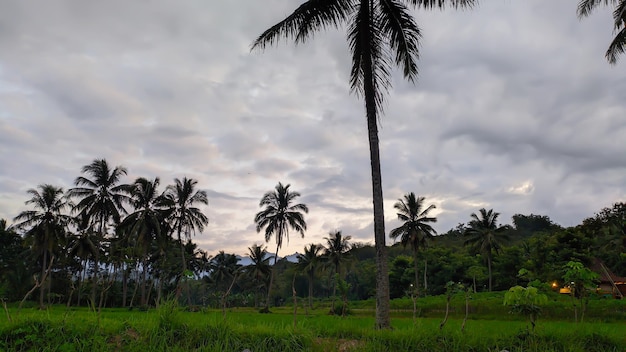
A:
169	328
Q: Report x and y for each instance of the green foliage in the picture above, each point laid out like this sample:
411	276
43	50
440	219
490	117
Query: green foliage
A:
526	301
581	280
343	287
401	276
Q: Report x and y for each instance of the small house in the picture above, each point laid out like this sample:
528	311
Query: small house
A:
609	282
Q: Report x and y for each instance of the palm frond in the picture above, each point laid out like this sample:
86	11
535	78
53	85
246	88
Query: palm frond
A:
403	33
430	4
619	15
309	17
617	47
585	7
370	70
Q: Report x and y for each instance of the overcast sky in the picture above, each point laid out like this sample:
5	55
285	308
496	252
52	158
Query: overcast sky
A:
515	109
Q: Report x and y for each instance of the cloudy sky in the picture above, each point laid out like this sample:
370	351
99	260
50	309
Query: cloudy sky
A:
515	109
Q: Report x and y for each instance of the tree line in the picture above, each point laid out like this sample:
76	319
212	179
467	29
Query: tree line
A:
100	232
105	243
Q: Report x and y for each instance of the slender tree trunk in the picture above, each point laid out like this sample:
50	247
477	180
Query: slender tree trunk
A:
143	281
185	282
43	277
489	267
466	310
132	298
382	276
295	301
225	295
96	268
81	278
152	283
425	277
336	278
159	292
124	284
6	310
445	318
311	290
414	299
417	277
269	287
71	294
38	284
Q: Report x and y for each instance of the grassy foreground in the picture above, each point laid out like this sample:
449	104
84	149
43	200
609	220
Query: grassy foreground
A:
170	329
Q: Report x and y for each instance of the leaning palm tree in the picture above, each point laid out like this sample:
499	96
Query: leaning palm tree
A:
486	236
618	45
415	230
279	215
380	33
45	227
186	217
335	255
309	263
101	199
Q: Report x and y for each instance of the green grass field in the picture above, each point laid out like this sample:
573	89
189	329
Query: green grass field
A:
172	329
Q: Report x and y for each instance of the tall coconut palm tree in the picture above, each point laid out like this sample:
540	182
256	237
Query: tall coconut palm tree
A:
486	236
147	223
186	217
101	200
618	45
279	215
415	230
335	255
381	33
45	226
309	263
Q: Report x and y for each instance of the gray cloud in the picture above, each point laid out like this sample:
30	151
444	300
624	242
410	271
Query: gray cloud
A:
515	109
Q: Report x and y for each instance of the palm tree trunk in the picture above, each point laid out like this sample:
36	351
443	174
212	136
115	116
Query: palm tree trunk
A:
96	266
382	276
132	298
417	280
489	267
152	283
182	255
336	278
124	284
159	292
295	301
425	277
269	287
81	277
43	277
143	280
311	290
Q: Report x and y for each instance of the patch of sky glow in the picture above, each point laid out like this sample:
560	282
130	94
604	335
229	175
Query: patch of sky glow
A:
524	188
